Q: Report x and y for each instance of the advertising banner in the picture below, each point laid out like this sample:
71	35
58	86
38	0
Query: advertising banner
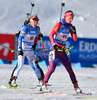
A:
85	49
9	41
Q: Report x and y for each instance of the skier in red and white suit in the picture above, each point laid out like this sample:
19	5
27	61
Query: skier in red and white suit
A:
58	37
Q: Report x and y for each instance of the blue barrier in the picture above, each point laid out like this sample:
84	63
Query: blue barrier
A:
80	64
4	61
16	61
85	49
42	63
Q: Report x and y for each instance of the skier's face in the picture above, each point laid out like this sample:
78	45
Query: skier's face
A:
69	19
33	23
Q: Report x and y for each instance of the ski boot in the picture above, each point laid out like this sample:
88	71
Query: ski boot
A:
40	83
12	82
44	88
77	89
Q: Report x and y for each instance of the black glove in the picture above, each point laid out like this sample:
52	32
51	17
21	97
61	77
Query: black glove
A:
55	47
40	36
34	46
20	53
38	59
73	29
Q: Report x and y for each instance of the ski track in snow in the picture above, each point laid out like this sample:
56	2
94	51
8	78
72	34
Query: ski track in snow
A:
87	79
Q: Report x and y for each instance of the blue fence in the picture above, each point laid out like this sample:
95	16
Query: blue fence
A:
85	50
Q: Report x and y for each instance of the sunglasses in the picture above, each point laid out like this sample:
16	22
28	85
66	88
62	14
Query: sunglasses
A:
69	14
36	19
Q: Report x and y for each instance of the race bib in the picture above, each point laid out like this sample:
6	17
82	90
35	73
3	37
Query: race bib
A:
31	37
51	55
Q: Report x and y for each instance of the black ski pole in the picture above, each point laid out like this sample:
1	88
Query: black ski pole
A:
62	5
32	5
28	15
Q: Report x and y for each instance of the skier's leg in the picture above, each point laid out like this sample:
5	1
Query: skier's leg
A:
66	62
38	71
41	71
16	70
52	66
12	77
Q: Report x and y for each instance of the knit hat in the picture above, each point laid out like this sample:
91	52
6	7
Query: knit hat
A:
35	17
69	13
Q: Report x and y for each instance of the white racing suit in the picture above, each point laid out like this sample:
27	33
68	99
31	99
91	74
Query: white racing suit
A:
26	41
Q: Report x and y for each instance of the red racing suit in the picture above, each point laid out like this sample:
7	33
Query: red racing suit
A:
58	36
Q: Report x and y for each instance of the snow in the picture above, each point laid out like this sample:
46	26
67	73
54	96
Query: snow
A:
12	15
61	83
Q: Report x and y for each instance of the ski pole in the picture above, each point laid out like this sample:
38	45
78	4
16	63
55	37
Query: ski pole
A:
62	5
28	14
43	48
12	50
68	50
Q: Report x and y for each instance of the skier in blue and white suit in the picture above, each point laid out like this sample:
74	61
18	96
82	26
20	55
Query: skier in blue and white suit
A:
26	45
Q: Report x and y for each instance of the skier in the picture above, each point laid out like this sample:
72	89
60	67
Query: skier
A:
58	37
29	35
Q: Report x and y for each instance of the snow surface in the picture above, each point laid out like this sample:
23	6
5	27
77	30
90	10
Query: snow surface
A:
12	15
87	78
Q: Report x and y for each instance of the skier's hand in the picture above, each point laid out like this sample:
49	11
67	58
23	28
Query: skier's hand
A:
34	46
55	47
40	36
20	53
73	29
38	59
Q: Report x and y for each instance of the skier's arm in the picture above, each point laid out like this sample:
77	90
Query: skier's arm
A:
22	33
73	33
35	42
36	39
54	31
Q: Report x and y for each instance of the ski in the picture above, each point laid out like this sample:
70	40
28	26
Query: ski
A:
83	94
46	84
56	93
19	87
40	92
